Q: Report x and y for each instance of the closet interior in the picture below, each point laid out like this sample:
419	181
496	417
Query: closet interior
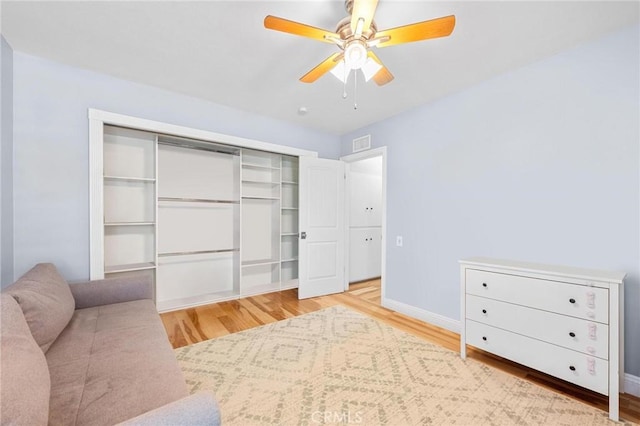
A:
207	221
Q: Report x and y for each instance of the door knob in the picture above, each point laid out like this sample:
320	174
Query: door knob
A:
303	235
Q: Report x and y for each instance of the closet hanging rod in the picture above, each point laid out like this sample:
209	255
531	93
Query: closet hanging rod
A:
197	200
199	146
185	253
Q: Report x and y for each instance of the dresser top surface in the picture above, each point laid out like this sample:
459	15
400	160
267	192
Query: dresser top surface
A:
538	268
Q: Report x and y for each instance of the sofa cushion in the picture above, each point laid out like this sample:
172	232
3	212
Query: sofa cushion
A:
46	302
25	385
112	363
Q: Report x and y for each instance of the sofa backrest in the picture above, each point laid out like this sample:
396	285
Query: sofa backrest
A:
46	302
25	385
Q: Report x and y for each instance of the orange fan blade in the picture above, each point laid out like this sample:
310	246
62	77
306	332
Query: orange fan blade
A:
296	28
440	27
324	67
383	76
362	9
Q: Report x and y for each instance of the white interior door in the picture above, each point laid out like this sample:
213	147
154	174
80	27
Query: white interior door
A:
322	231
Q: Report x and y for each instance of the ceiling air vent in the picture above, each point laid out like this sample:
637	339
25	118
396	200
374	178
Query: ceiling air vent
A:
362	143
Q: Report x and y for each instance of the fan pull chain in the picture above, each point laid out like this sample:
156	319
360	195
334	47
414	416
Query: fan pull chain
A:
355	89
344	84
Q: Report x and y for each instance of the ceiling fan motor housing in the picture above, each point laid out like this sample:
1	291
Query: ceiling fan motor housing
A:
346	33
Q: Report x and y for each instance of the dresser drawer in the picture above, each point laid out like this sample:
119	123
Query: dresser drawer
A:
583	370
580	335
579	301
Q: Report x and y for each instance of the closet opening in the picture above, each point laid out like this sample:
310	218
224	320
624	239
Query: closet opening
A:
206	217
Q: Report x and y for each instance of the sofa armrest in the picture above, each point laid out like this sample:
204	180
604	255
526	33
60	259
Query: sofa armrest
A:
197	409
111	290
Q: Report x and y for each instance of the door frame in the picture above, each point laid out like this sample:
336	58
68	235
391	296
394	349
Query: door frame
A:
352	158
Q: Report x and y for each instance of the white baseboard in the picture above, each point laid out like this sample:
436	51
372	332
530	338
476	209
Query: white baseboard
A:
632	384
423	315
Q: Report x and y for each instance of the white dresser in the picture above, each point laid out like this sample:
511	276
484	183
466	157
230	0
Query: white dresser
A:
563	321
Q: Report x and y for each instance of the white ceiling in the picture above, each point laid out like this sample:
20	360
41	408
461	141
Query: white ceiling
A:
219	50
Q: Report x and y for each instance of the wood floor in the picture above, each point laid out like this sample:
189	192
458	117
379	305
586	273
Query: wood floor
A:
194	325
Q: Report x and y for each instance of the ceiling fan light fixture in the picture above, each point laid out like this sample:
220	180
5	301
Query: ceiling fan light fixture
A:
341	72
355	54
370	68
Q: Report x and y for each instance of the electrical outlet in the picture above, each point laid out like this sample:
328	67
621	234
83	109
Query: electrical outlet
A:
399	241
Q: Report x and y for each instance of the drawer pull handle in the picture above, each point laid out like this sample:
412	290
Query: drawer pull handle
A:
572	300
484	285
484	311
572	334
484	338
572	368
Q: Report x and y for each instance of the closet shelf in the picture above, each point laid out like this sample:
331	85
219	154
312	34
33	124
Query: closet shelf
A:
289	182
259	262
186	302
129	267
293	259
262	182
259	166
129	178
129	223
289	234
249	197
189	253
197	200
289	208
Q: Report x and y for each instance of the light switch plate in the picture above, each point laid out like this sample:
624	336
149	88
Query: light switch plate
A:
399	241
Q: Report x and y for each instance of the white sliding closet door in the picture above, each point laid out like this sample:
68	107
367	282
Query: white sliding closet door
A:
198	234
322	245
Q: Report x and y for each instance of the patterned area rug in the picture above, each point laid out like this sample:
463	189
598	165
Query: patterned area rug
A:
336	366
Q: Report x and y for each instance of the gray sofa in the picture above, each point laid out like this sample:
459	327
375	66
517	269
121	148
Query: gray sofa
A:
91	353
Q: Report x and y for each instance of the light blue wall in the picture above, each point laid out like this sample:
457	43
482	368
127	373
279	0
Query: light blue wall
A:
540	164
6	163
51	175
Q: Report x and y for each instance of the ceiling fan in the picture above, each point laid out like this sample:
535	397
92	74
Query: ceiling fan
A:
355	35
